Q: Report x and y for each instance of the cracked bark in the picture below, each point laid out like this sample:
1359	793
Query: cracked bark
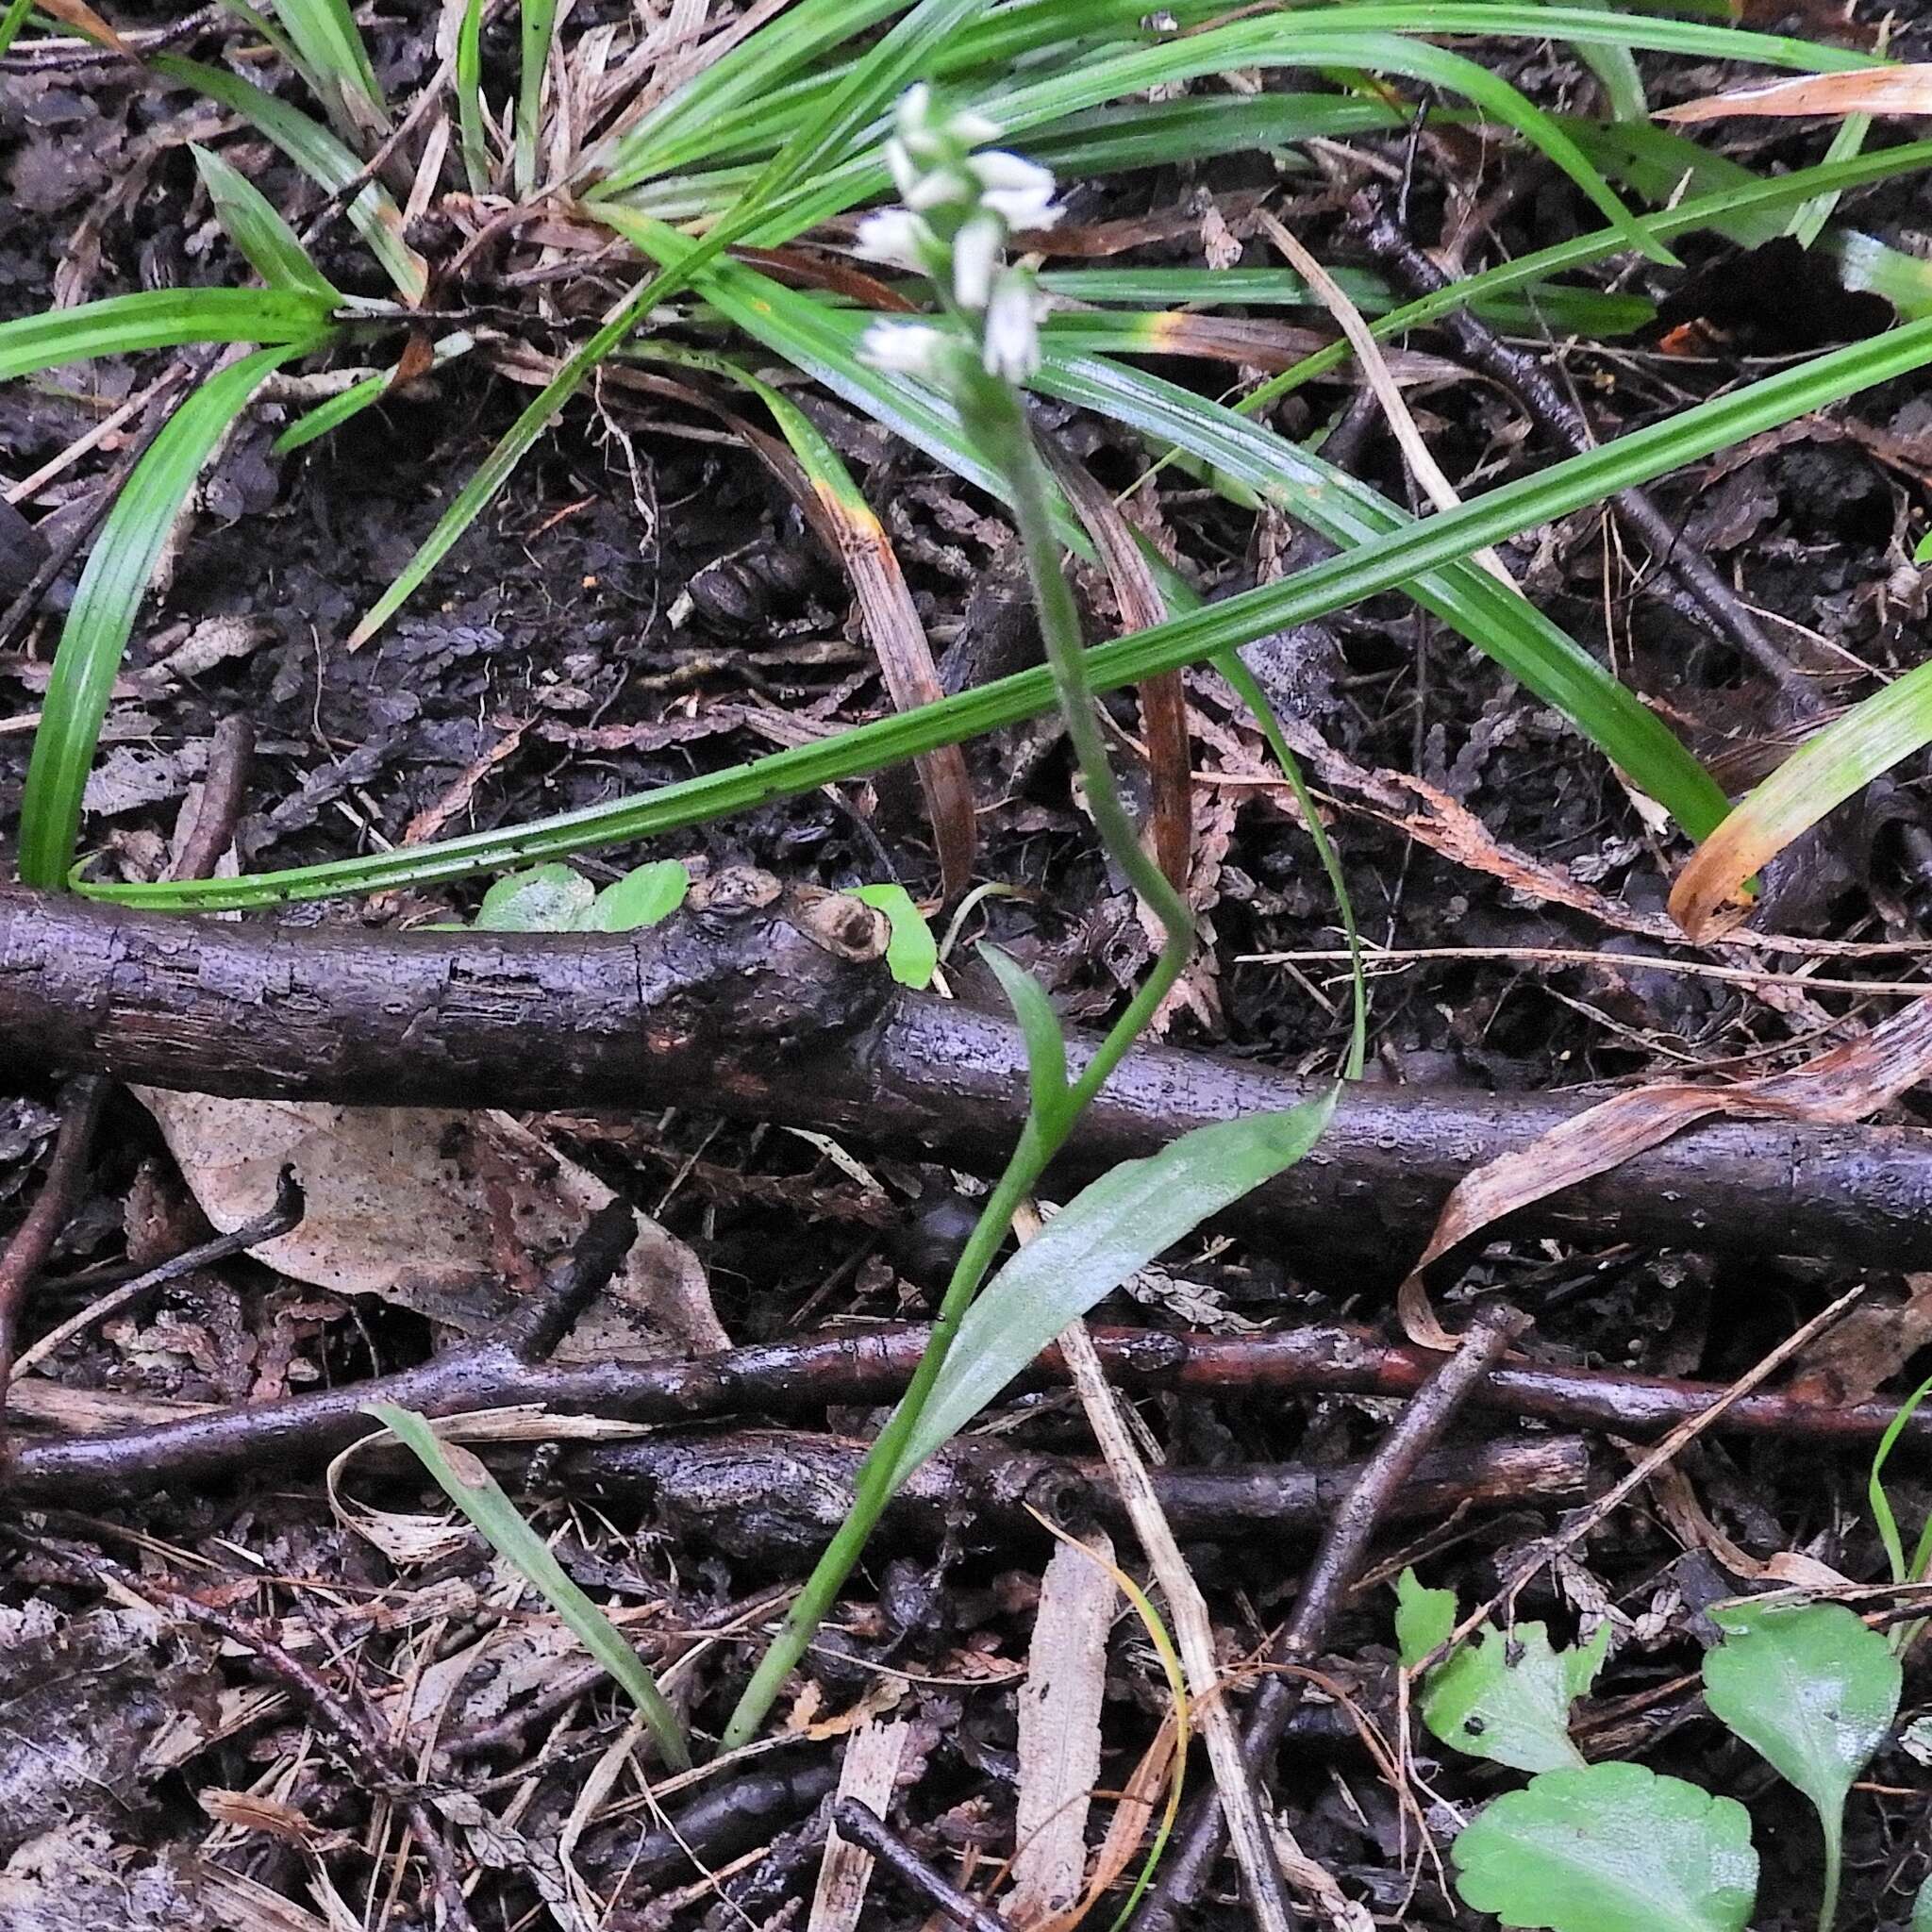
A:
769	1004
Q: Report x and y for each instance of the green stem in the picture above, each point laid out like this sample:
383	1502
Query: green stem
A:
997	415
1834	1865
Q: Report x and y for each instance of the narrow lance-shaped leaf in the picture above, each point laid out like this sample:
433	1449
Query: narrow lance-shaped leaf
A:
1100	1239
538	24
320	155
95	633
1501	513
159	319
274	249
471	1487
1822	774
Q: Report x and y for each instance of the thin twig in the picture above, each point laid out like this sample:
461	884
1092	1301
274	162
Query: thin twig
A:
1328	1578
81	1101
224	787
285	1214
862	1826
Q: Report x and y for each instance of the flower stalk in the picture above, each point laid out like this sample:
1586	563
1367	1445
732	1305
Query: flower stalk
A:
960	210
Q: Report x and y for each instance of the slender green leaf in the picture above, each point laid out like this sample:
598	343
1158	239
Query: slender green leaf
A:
1807	223
159	319
273	248
1040	1027
95	633
325	36
1102	1238
537	19
320	155
1812	1690
12	21
470	1486
1612	1848
912	952
1822	774
1496	619
469	86
1449	537
1902	1571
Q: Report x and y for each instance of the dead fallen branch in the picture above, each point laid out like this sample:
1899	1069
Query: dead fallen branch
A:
798	1377
774	1495
769	1004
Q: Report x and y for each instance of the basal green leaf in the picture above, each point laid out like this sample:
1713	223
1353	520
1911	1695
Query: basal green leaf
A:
320	155
1425	1618
1922	1909
1040	1027
94	635
1812	1689
1612	1848
159	319
639	898
912	952
1100	1239
546	898
470	1486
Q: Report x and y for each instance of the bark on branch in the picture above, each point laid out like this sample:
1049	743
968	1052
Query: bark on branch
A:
772	1006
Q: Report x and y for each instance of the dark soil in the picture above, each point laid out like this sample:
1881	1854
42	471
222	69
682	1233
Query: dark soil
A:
641	604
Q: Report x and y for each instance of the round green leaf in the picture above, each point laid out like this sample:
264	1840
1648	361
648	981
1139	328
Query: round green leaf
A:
546	898
1612	1848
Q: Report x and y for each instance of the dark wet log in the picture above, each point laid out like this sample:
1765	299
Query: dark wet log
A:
800	1377
775	1495
772	1006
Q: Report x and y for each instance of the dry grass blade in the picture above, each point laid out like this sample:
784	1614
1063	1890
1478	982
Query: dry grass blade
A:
1374	367
1905	90
1837	1089
1164	703
84	20
1248	1830
1059	1729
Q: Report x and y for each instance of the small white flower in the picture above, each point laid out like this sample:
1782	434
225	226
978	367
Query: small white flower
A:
1022	207
1010	346
905	171
938	187
972	130
906	348
976	255
998	169
894	235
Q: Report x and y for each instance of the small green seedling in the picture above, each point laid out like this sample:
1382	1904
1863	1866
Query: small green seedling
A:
912	953
1903	1569
556	898
1618	1848
1813	1691
1506	1698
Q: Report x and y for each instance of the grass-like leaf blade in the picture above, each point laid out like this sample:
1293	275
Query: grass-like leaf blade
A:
1100	1239
471	1487
158	319
111	586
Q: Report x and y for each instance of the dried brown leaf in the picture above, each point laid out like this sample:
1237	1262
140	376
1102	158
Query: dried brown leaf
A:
1836	1088
400	1206
1901	90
